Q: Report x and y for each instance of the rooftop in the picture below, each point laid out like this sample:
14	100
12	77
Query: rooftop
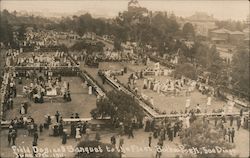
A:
236	33
221	31
218	39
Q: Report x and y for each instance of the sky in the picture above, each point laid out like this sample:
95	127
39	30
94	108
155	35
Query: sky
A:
222	10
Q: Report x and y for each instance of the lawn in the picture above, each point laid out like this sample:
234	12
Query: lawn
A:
82	103
161	101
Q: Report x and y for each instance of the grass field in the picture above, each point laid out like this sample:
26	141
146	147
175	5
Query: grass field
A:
82	103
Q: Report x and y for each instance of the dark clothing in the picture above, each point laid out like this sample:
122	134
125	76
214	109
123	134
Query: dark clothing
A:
147	126
57	117
175	129
238	123
60	128
130	133
64	138
232	135
231	120
113	140
171	135
9	138
13	136
49	120
224	133
215	121
241	112
229	134
35	137
149	141
41	128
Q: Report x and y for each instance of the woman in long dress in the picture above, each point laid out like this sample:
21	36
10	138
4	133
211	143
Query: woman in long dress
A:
188	121
78	134
22	109
51	129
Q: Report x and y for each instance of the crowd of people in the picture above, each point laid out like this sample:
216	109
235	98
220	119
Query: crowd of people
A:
46	85
39	38
11	93
44	59
170	85
23	122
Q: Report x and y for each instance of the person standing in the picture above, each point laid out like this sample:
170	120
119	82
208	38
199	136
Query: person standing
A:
40	128
64	137
159	148
238	123
78	134
121	141
229	134
171	134
224	133
9	138
35	137
113	140
60	129
231	120
241	112
149	139
11	102
57	116
25	108
97	137
175	129
215	121
67	85
130	134
232	135
22	110
13	136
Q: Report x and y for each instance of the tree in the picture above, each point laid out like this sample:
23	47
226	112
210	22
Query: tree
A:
21	32
120	106
117	44
215	64
240	70
202	136
231	25
187	70
6	33
93	149
89	46
188	30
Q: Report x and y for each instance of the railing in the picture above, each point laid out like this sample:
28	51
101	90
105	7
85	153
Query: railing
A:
93	83
43	67
203	114
149	111
3	93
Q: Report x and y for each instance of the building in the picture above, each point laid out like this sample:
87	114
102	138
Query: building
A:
236	36
202	23
223	36
201	17
202	28
226	53
246	35
134	6
219	36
